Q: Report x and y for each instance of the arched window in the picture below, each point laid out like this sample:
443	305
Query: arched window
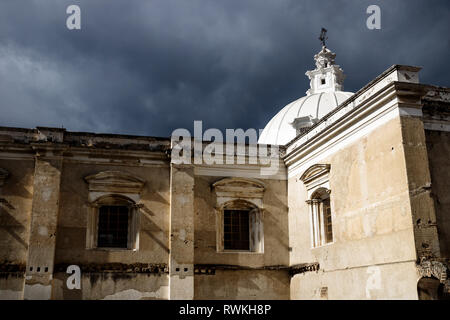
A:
239	215
322	224
113	217
239	218
114	223
316	180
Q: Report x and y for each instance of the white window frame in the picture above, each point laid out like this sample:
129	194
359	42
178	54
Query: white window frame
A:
133	221
240	194
317	216
316	179
256	241
114	188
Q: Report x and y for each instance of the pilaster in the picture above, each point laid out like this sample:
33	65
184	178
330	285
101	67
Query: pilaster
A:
44	218
181	263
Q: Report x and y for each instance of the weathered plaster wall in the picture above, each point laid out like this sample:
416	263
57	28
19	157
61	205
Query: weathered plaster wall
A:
153	242
242	284
114	286
15	211
181	265
438	148
397	281
269	284
43	227
371	217
419	184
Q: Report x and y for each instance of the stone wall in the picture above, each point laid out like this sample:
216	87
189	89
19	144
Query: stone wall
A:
438	147
15	215
242	275
372	226
243	284
153	237
44	204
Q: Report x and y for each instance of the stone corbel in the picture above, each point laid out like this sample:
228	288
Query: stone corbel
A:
137	206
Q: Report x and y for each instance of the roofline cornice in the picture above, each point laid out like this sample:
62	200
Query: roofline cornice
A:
360	93
408	94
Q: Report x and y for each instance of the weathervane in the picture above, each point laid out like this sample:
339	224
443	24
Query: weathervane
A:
323	36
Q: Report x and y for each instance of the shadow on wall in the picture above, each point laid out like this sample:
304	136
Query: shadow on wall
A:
149	227
9	224
431	289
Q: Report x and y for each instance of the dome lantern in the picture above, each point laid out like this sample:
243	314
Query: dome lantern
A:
324	95
327	76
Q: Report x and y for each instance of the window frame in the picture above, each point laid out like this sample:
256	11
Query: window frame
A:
240	232
319	234
133	222
256	235
113	188
116	213
256	230
317	182
240	194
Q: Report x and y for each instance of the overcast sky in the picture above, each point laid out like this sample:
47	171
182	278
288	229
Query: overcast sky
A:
148	67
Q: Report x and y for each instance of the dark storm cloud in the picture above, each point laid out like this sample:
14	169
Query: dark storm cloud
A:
148	67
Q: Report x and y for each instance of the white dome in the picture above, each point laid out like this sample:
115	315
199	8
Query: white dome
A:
324	95
280	131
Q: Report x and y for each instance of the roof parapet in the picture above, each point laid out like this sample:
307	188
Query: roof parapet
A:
395	73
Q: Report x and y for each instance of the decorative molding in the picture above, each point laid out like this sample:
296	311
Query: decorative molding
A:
314	172
210	269
339	135
114	181
114	188
319	193
245	171
304	267
4	174
115	267
239	188
397	75
436	126
316	180
433	268
368	108
241	194
438	94
327	71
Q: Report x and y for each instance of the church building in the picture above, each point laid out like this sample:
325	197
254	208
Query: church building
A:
359	207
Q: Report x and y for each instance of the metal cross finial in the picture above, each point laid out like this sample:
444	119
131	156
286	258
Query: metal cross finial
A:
323	36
